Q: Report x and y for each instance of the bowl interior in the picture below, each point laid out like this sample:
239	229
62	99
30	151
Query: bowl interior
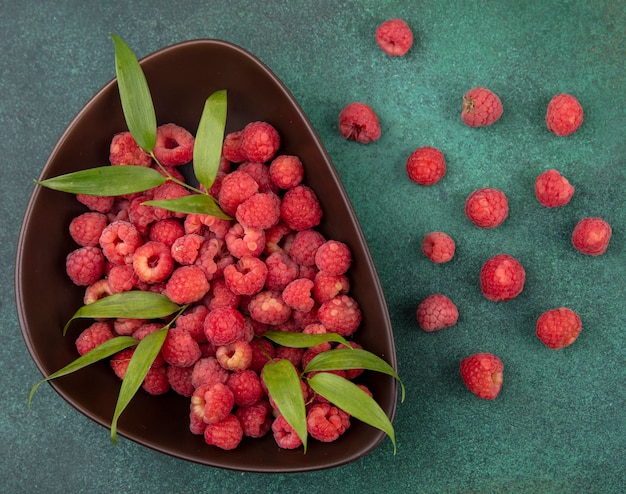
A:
180	78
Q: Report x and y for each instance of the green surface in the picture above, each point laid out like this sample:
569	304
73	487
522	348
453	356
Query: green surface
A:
559	423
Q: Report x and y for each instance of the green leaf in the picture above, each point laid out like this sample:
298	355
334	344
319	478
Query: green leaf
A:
191	204
135	96
207	149
300	340
106	180
283	385
138	367
135	304
353	400
102	351
346	358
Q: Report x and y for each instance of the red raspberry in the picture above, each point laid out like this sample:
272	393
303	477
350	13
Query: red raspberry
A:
426	166
281	270
156	381
86	228
486	207
122	278
174	145
300	208
127	326
94	335
213	258
231	147
119	362
99	204
180	349
96	291
304	246
118	241
218	402
294	355
226	434
317	328
221	296
552	189
340	315
153	262
224	326
180	380
297	295
208	371
246	387
260	172
436	312
260	211
259	141
438	247
186	285
234	357
326	422
394	37
502	278
268	307
169	190
481	107
359	122
185	249
286	171
262	352
85	265
591	236
124	150
192	321
564	115
558	328
247	277
166	231
205	225
333	257
242	241
236	187
285	435
327	286
482	374
277	238
256	420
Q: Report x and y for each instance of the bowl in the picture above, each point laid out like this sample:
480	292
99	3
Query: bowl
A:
180	78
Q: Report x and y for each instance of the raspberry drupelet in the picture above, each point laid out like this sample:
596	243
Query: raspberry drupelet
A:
558	328
436	312
426	166
481	107
564	115
438	247
359	122
502	278
394	37
153	262
174	145
259	141
591	236
286	171
553	190
300	208
487	207
85	265
86	228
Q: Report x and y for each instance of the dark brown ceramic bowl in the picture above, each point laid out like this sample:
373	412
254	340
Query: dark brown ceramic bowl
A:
181	77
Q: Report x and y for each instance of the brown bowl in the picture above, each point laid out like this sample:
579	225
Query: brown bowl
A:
181	77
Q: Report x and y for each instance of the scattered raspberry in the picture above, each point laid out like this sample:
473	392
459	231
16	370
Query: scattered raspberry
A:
359	122
207	371
487	208
231	147
297	295
94	335
333	257
591	236
86	228
481	107
224	326
285	435
328	286
300	208
564	115
326	422
558	328
185	249
180	380
286	171
187	284
340	315
174	145
99	204
166	231
235	356
124	150
426	166
246	387
260	211
552	189
268	307
482	374
118	241
304	246
85	265
153	262
122	278
256	420
180	349
236	187
436	312
260	172
247	277
502	278
259	141
394	37
281	270
438	247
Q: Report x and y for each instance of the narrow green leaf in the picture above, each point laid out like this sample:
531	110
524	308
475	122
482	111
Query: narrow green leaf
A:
283	385
191	204
138	367
106	180
345	358
353	400
135	304
135	96
207	149
300	340
102	351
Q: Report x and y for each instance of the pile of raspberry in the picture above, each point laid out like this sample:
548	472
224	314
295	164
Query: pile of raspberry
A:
268	268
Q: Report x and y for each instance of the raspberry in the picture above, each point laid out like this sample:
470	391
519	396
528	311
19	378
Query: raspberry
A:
308	272
262	352
247	277
591	236
303	319
203	224
285	435
502	278
564	115
208	371
156	381
333	257
359	122
438	247
213	258
125	151
85	265
426	166
143	216
127	326
231	147
294	355
297	295
169	190
99	204
86	228
482	374
256	420
226	434
486	207
340	315
481	107
166	231
277	238
180	380
304	246
122	278
234	357
281	270
552	189
144	330
94	335
260	172
394	37
317	328
260	211
174	145
286	171
180	349
436	312
192	321
196	424
96	291
218	402
558	328
246	387
268	307
118	241
327	286
326	422
242	241
221	296
153	262
259	141
236	187
119	362
300	208
224	326
187	284
185	249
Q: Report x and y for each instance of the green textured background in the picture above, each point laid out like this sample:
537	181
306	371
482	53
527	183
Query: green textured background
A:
559	423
